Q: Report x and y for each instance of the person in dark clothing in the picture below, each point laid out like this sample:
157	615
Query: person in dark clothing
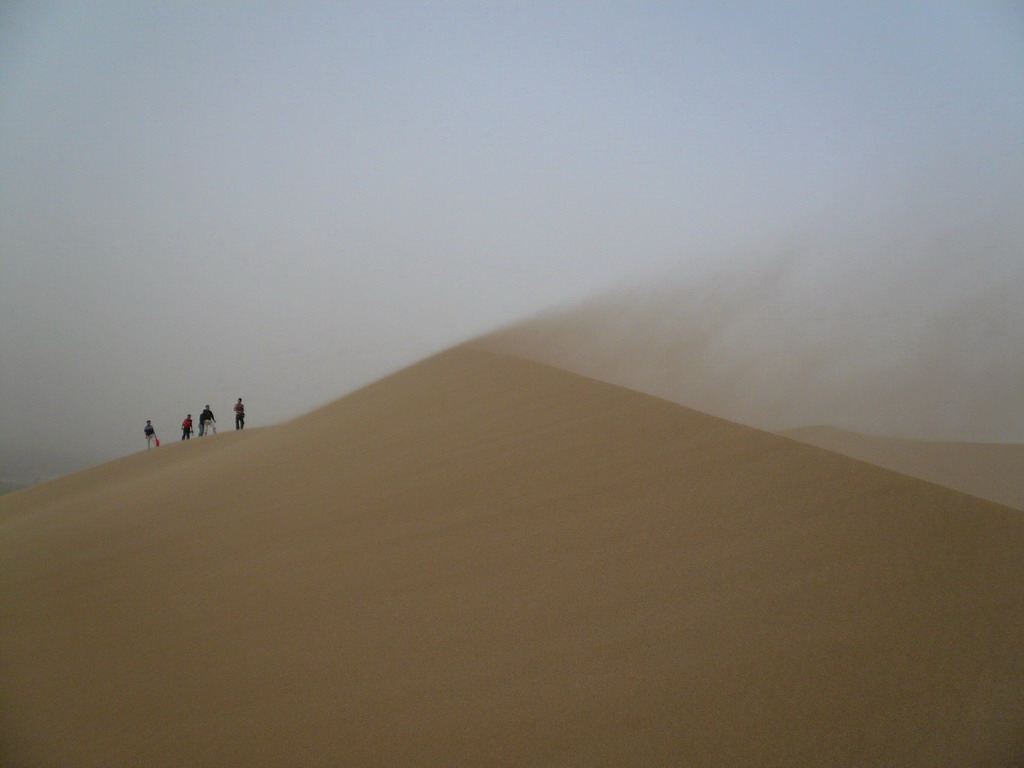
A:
239	415
150	434
207	422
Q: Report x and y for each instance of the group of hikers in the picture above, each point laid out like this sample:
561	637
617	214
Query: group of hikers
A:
207	425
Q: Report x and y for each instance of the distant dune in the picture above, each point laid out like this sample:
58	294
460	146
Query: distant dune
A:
993	471
484	561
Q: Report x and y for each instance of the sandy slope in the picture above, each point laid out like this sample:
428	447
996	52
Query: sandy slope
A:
487	562
993	471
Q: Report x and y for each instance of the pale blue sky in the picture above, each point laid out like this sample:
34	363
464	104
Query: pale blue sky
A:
283	201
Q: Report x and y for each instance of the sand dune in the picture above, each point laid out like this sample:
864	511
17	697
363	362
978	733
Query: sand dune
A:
993	471
482	561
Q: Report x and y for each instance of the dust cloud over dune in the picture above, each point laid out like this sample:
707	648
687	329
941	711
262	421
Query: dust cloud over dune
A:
914	333
485	561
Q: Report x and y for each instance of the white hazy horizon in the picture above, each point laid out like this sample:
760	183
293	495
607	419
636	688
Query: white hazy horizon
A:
199	204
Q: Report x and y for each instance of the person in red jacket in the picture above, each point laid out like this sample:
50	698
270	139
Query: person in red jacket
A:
186	428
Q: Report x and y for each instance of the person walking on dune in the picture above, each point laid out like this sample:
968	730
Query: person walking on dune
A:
207	422
186	428
239	415
150	434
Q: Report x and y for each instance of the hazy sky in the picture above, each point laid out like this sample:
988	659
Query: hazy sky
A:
283	201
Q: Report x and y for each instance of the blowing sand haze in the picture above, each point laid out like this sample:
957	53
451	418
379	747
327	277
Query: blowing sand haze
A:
483	561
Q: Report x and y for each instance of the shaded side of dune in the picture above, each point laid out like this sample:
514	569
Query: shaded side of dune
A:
482	561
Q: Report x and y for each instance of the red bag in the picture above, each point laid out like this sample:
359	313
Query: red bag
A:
157	439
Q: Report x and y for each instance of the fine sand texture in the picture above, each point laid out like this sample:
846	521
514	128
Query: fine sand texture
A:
482	561
993	471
